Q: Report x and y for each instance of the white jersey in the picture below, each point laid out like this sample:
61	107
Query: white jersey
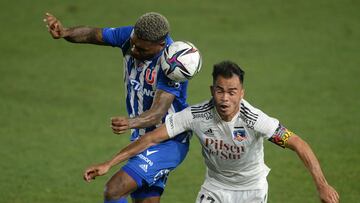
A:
233	151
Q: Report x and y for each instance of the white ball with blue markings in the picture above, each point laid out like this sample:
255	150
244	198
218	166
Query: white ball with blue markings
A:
181	61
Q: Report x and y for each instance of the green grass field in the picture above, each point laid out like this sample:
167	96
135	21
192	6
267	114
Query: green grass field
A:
302	62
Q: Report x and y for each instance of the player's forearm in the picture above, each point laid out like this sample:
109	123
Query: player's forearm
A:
310	161
148	118
161	103
131	150
152	138
82	34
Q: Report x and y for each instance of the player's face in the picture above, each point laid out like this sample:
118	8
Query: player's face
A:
227	93
144	50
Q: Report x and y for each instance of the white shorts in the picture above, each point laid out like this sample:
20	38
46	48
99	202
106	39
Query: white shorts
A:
232	196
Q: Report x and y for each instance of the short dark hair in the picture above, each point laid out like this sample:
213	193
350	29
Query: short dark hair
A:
152	27
227	69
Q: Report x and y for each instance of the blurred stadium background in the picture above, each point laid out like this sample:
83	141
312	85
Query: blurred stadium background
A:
302	66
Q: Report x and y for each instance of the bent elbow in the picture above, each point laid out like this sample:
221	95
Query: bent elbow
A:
298	145
295	143
158	119
149	140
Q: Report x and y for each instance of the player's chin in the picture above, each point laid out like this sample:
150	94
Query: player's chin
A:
225	112
136	56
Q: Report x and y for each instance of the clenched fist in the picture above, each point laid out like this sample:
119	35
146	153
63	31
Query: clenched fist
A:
119	125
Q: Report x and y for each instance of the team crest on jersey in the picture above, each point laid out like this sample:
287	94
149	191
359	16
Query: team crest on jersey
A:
239	134
150	76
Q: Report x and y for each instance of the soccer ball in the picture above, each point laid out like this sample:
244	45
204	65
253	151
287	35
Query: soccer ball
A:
181	61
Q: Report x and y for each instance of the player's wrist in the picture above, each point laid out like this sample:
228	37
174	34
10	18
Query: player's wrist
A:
131	123
321	184
66	33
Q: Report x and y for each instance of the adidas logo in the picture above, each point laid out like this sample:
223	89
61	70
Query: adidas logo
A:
209	132
144	167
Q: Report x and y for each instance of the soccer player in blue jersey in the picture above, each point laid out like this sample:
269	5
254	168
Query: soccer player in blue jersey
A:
150	95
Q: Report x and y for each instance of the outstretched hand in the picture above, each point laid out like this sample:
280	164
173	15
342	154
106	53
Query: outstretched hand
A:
54	26
96	170
328	194
119	125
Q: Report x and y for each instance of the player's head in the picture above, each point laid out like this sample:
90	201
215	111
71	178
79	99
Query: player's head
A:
228	69
148	38
227	89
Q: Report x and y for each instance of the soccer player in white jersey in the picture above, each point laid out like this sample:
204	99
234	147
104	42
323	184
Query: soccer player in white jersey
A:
150	95
231	132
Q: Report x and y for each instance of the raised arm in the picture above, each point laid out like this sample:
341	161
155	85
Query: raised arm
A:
79	34
327	193
161	103
152	138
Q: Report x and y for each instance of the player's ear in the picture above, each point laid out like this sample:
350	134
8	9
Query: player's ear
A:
242	93
212	90
162	44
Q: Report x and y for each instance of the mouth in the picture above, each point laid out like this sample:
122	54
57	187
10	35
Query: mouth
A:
140	57
135	55
223	107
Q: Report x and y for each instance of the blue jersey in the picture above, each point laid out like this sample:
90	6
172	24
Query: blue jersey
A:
143	78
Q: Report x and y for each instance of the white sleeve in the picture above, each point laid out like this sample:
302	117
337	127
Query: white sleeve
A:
179	122
266	125
258	120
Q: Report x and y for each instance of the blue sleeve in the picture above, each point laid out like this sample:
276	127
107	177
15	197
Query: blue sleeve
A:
170	86
169	40
116	37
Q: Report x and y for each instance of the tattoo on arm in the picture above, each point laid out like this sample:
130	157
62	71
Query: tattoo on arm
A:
161	103
82	34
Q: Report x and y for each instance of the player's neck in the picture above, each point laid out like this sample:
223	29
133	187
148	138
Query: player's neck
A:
230	117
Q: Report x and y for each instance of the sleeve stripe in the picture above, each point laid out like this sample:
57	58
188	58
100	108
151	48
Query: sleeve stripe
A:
248	111
202	111
202	107
248	116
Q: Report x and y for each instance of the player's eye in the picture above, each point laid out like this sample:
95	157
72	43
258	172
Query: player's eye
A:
139	49
219	91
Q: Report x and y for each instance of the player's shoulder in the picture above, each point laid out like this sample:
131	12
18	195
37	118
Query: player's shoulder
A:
128	28
203	106
202	110
117	36
255	118
248	113
246	108
118	31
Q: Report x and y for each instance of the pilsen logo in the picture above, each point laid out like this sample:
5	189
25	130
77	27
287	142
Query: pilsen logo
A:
223	150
